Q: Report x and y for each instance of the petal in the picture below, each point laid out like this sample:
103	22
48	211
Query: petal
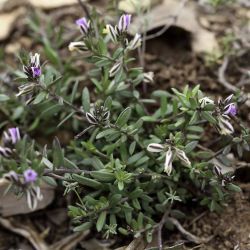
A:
182	156
155	147
229	98
168	161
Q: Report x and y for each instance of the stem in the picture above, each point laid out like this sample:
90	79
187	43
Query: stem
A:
58	98
160	226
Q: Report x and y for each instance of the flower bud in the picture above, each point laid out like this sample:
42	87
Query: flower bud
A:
135	43
205	101
230	109
115	69
124	22
26	89
79	46
224	125
84	25
112	32
168	161
148	77
33	69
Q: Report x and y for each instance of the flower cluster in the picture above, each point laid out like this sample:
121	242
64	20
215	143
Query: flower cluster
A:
224	111
33	69
99	116
33	72
84	25
85	28
224	178
119	33
10	138
25	183
171	152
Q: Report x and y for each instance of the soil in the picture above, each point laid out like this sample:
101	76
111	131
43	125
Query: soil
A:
175	65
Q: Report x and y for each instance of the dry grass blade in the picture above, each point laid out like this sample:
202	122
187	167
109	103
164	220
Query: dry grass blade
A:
25	231
69	242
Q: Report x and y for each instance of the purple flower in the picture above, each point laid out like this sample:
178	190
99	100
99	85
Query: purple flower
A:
33	69
124	22
13	135
84	24
230	109
30	175
36	71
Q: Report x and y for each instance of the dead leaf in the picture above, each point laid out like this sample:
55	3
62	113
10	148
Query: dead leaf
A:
97	244
70	241
132	6
7	21
10	205
26	231
136	244
162	15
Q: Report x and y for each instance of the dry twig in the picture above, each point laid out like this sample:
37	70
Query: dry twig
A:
187	234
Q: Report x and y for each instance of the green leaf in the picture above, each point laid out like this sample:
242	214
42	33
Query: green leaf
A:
97	163
123	231
233	187
209	117
47	163
101	221
120	185
74	91
195	90
58	158
86	99
108	103
204	154
148	119
135	158
85	226
51	54
65	119
194	118
69	164
123	117
197	129
40	97
164	106
103	175
87	181
3	98
132	147
115	199
49	180
190	146
106	132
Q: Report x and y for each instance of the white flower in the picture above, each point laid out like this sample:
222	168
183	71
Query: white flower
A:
112	32
168	161
80	46
205	101
115	69
148	77
135	43
182	156
224	125
171	152
35	60
155	147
